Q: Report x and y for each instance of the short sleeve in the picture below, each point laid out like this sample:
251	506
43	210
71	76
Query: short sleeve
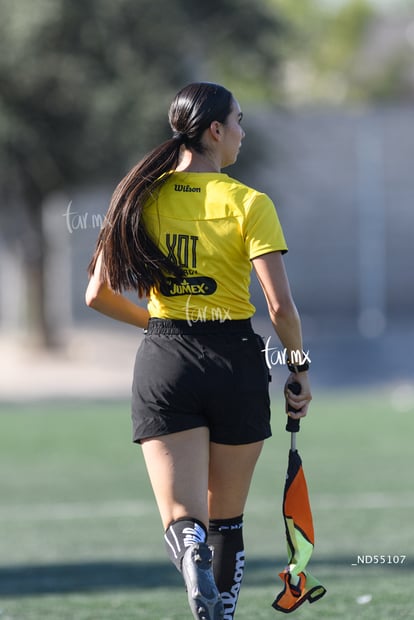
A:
262	230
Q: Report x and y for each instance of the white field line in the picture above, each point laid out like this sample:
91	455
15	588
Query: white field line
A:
74	510
365	501
346	501
130	508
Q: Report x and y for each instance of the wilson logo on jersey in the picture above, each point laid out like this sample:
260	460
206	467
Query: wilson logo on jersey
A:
200	285
186	188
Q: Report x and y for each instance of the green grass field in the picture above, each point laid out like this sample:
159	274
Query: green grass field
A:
81	538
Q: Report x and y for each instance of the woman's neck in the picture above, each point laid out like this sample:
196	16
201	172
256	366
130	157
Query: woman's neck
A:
191	161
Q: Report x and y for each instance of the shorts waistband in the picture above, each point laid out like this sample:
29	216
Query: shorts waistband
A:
177	326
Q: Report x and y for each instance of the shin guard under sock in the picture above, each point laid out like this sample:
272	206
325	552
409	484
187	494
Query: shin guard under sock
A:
226	536
181	534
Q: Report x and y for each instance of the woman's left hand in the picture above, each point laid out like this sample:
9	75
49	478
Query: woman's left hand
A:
299	402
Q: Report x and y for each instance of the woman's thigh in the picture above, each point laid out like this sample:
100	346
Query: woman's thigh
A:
178	467
230	473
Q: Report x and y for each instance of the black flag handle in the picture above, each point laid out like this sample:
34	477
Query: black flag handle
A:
293	424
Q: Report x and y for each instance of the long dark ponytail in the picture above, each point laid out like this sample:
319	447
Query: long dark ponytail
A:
130	258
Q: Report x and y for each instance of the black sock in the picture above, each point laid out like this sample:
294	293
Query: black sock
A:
181	534
226	536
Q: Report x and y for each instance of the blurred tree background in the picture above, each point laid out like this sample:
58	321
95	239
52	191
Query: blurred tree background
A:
353	51
85	84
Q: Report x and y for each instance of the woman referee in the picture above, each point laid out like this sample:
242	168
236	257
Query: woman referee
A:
185	235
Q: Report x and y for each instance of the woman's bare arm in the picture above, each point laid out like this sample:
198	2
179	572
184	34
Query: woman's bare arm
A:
101	298
271	274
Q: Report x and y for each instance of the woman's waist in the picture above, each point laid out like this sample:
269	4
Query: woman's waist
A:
195	309
159	325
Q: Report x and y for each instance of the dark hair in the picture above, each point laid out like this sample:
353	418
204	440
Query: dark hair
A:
130	258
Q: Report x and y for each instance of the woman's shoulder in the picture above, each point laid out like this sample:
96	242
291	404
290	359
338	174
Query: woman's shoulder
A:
212	192
247	196
243	187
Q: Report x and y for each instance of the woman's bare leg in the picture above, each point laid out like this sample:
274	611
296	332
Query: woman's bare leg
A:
231	470
177	465
178	468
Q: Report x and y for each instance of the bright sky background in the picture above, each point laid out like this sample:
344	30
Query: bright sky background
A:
389	4
382	4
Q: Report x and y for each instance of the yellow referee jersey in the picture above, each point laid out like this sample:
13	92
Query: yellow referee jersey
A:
213	226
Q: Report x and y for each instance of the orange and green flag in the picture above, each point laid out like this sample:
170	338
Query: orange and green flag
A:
298	583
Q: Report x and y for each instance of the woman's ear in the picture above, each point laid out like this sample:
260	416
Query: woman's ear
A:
215	130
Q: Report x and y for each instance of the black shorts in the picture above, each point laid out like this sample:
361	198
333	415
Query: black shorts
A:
207	374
